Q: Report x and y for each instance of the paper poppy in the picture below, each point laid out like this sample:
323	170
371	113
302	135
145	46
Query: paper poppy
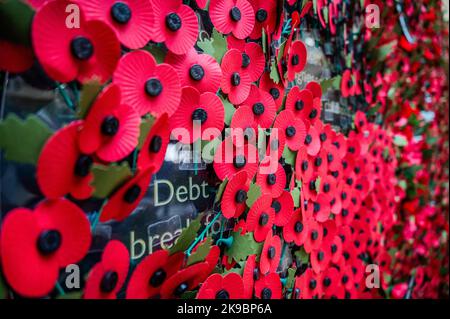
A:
320	162
262	105
260	217
84	53
330	283
249	276
235	81
268	287
314	235
312	141
296	59
295	230
232	16
336	249
272	183
276	90
283	206
235	195
328	185
243	125
309	284
315	88
184	280
304	168
320	259
270	255
198	70
299	102
111	129
265	17
319	208
35	244
15	58
146	86
309	187
253	60
230	159
150	274
132	20
62	168
347	84
176	25
155	145
198	113
108	276
293	128
127	197
217	286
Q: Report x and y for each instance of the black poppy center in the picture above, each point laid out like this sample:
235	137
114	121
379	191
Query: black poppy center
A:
200	115
266	293
312	185
295	60
276	206
344	279
323	136
240	196
157	278
304	165
330	157
222	294
49	241
235	79
109	281
320	256
275	93
318	161
261	15
316	207
83	165
308	139
290	131
326	187
110	125
298	227
313	114
271	179
344	212
350	83
239	161
120	12
181	288
299	105
327	282
314	235
173	21
312	284
235	14
333	248
263	219
271	252
81	48
245	60
258	108
132	194
153	87
196	72
155	144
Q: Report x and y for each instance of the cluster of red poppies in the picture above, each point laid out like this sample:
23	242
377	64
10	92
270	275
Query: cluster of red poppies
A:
333	208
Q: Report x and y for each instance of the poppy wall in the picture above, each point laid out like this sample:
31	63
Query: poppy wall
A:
226	149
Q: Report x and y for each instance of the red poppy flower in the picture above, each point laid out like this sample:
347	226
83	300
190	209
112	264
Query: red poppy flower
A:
253	60
205	109
250	274
270	255
128	197
294	230
108	276
212	258
150	274
15	58
262	105
276	90
320	258
230	159
297	59
268	287
293	128
154	148
175	24
312	141
260	217
111	129
284	208
336	202
273	183
215	286
184	280
347	84
328	185
243	125
90	51
132	20
235	80
336	249
304	168
308	285
314	235
265	17
232	16
315	88
61	168
195	69
299	102
146	86
309	189
35	244
320	162
235	195
330	279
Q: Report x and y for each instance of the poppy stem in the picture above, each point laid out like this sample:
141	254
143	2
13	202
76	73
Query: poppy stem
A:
67	100
60	289
133	167
282	252
203	233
